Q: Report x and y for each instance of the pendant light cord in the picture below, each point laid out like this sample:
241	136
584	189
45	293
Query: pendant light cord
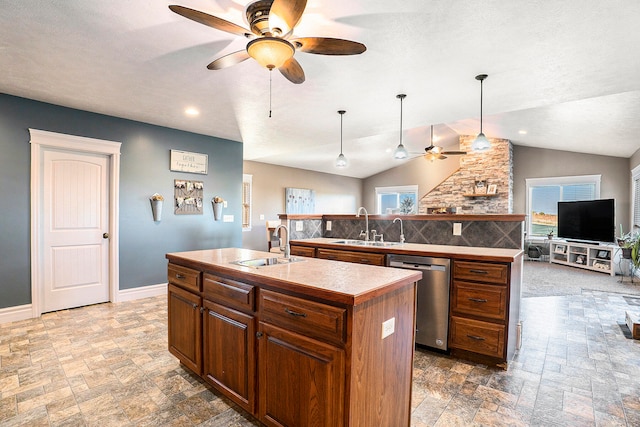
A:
341	115
401	98
481	81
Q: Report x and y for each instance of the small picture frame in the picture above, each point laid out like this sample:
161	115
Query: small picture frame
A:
603	254
492	189
560	249
480	187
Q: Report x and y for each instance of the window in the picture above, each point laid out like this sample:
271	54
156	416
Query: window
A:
246	202
397	200
543	195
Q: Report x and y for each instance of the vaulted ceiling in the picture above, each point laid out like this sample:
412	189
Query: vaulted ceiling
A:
565	72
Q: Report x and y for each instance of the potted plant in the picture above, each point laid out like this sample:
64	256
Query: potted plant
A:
156	206
627	242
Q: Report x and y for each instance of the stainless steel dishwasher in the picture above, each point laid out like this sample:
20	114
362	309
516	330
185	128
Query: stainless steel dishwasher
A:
432	306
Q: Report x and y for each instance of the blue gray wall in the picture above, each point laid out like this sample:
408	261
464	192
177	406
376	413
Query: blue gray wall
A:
144	171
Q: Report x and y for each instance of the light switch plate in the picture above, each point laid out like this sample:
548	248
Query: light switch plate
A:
388	327
227	218
261	217
299	226
457	229
328	225
224	204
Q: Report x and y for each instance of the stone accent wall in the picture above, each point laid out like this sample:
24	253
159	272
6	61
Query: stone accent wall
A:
495	166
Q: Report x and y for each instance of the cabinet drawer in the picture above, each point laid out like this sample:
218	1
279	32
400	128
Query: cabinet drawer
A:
352	256
476	336
303	251
187	278
479	300
229	292
310	318
480	271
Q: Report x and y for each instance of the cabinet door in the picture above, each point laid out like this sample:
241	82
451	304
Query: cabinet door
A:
185	327
229	353
301	380
303	251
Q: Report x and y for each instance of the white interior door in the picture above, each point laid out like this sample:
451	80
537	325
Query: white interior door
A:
75	221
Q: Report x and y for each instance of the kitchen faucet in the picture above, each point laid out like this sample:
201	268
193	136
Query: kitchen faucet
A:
286	249
366	221
401	230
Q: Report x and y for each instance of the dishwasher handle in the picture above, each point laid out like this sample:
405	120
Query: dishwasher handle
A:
417	266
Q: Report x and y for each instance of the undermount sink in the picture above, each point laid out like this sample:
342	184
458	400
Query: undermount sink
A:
265	262
365	243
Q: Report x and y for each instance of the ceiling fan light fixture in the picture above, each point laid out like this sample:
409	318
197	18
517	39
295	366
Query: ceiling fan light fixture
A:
270	52
341	160
481	143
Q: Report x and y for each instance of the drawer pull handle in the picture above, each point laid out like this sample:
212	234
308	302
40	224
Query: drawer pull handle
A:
477	299
475	337
365	260
479	271
295	313
180	276
194	305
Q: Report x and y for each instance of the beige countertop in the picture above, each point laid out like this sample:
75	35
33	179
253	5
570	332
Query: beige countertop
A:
446	251
341	282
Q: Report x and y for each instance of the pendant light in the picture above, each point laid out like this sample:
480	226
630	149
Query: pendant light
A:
481	143
400	152
341	161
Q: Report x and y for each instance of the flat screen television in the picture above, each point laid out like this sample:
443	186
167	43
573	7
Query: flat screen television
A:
588	220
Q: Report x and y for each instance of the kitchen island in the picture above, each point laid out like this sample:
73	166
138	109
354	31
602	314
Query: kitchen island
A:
302	342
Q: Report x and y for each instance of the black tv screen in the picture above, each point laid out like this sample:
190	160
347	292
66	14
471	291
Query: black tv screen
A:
588	220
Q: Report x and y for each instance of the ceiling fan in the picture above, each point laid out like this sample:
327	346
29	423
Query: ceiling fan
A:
433	152
272	23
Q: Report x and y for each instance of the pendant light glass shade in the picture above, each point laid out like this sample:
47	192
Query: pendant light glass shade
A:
341	160
481	143
400	152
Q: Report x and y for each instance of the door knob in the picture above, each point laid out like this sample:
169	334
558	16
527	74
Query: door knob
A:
105	235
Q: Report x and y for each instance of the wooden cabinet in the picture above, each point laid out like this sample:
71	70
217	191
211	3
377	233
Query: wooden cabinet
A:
485	298
303	251
351	256
229	353
229	338
302	361
185	327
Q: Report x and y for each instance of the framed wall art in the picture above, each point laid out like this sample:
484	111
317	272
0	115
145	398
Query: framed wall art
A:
299	200
188	197
185	161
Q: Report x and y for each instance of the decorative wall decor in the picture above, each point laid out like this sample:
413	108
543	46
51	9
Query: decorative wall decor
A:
492	189
188	197
299	200
156	206
185	161
480	187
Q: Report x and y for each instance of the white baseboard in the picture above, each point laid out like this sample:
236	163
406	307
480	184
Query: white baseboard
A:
142	292
14	314
23	312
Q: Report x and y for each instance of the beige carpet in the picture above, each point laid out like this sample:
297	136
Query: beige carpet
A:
541	279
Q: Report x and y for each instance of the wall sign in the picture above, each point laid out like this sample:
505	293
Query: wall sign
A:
185	161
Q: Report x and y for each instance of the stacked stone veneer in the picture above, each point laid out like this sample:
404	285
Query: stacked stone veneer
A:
495	166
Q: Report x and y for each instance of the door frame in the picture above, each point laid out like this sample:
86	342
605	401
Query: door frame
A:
40	141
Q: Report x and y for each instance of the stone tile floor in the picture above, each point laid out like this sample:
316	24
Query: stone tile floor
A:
107	365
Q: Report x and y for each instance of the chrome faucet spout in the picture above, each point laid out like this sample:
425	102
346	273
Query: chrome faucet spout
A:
286	248
401	229
366	222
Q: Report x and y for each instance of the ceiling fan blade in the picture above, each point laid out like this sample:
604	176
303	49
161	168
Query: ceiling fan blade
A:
285	14
454	153
229	60
328	46
210	20
293	71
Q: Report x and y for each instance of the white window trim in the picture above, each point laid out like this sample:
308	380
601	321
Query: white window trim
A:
246	178
558	180
635	176
395	189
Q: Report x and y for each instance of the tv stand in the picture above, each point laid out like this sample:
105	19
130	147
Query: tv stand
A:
590	256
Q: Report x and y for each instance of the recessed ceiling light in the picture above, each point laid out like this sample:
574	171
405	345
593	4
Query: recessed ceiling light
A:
192	112
522	132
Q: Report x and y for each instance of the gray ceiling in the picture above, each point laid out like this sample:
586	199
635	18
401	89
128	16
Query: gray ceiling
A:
565	71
